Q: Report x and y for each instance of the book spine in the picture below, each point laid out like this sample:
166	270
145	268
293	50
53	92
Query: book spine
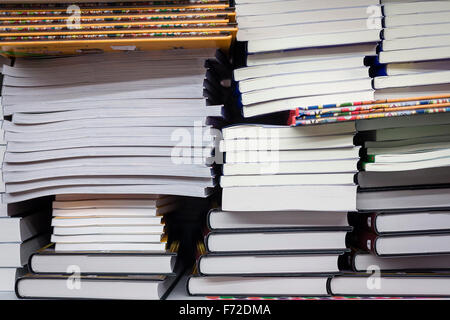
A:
364	221
363	240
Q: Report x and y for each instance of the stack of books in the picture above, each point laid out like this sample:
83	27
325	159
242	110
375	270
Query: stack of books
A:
403	223
55	28
410	72
283	221
303	53
24	227
274	168
105	241
137	123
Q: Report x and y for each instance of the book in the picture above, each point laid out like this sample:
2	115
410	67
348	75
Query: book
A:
275	241
361	262
232	220
115	34
304	198
317	40
402	244
379	179
287	179
8	277
16	254
310	54
308	18
94	287
403	199
403	222
257	286
215	264
411	55
49	261
429	78
407	133
393	285
22	228
244	9
415	31
415	7
411	18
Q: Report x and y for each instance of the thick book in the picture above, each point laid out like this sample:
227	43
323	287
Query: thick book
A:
402	199
49	261
94	287
258	286
22	228
391	285
218	264
232	220
402	244
362	262
402	222
276	240
431	176
16	254
300	198
8	277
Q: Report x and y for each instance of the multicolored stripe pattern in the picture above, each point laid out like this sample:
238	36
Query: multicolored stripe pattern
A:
362	110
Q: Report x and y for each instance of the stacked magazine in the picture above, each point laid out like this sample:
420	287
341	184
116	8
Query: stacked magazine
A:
303	53
137	123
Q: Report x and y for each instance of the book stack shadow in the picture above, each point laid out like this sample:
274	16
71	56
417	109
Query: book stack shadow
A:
283	220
